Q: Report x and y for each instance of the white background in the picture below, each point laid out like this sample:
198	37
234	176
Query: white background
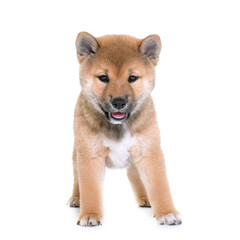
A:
197	99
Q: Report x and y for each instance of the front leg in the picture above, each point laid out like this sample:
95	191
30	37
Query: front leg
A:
74	201
151	167
91	173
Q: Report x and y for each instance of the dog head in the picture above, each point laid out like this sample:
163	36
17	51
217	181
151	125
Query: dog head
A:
117	72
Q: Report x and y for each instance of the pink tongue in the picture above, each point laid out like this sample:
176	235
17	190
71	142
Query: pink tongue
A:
118	115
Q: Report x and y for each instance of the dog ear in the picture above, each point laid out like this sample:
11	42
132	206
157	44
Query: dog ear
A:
150	47
86	45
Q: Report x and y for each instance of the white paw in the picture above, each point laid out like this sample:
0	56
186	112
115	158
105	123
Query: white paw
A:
89	220
170	219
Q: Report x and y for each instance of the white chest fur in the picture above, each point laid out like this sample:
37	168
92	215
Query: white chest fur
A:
119	156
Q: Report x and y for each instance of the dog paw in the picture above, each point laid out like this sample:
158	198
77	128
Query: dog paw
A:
144	203
89	220
74	202
170	219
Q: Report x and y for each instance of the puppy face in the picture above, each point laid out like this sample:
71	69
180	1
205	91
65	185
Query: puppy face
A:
117	72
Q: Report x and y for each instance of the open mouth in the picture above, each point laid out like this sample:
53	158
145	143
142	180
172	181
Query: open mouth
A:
118	115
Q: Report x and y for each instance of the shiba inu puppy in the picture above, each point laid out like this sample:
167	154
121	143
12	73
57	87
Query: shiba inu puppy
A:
115	125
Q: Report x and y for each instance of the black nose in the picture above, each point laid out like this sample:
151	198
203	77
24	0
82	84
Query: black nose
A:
119	103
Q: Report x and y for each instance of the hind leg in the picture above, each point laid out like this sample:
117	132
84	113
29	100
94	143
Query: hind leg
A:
138	187
74	201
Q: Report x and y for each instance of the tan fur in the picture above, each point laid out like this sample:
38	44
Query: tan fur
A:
118	56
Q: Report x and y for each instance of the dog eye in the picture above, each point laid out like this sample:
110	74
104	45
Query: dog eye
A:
132	79
103	78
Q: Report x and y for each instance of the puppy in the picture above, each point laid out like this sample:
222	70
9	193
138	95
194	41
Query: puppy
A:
115	125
